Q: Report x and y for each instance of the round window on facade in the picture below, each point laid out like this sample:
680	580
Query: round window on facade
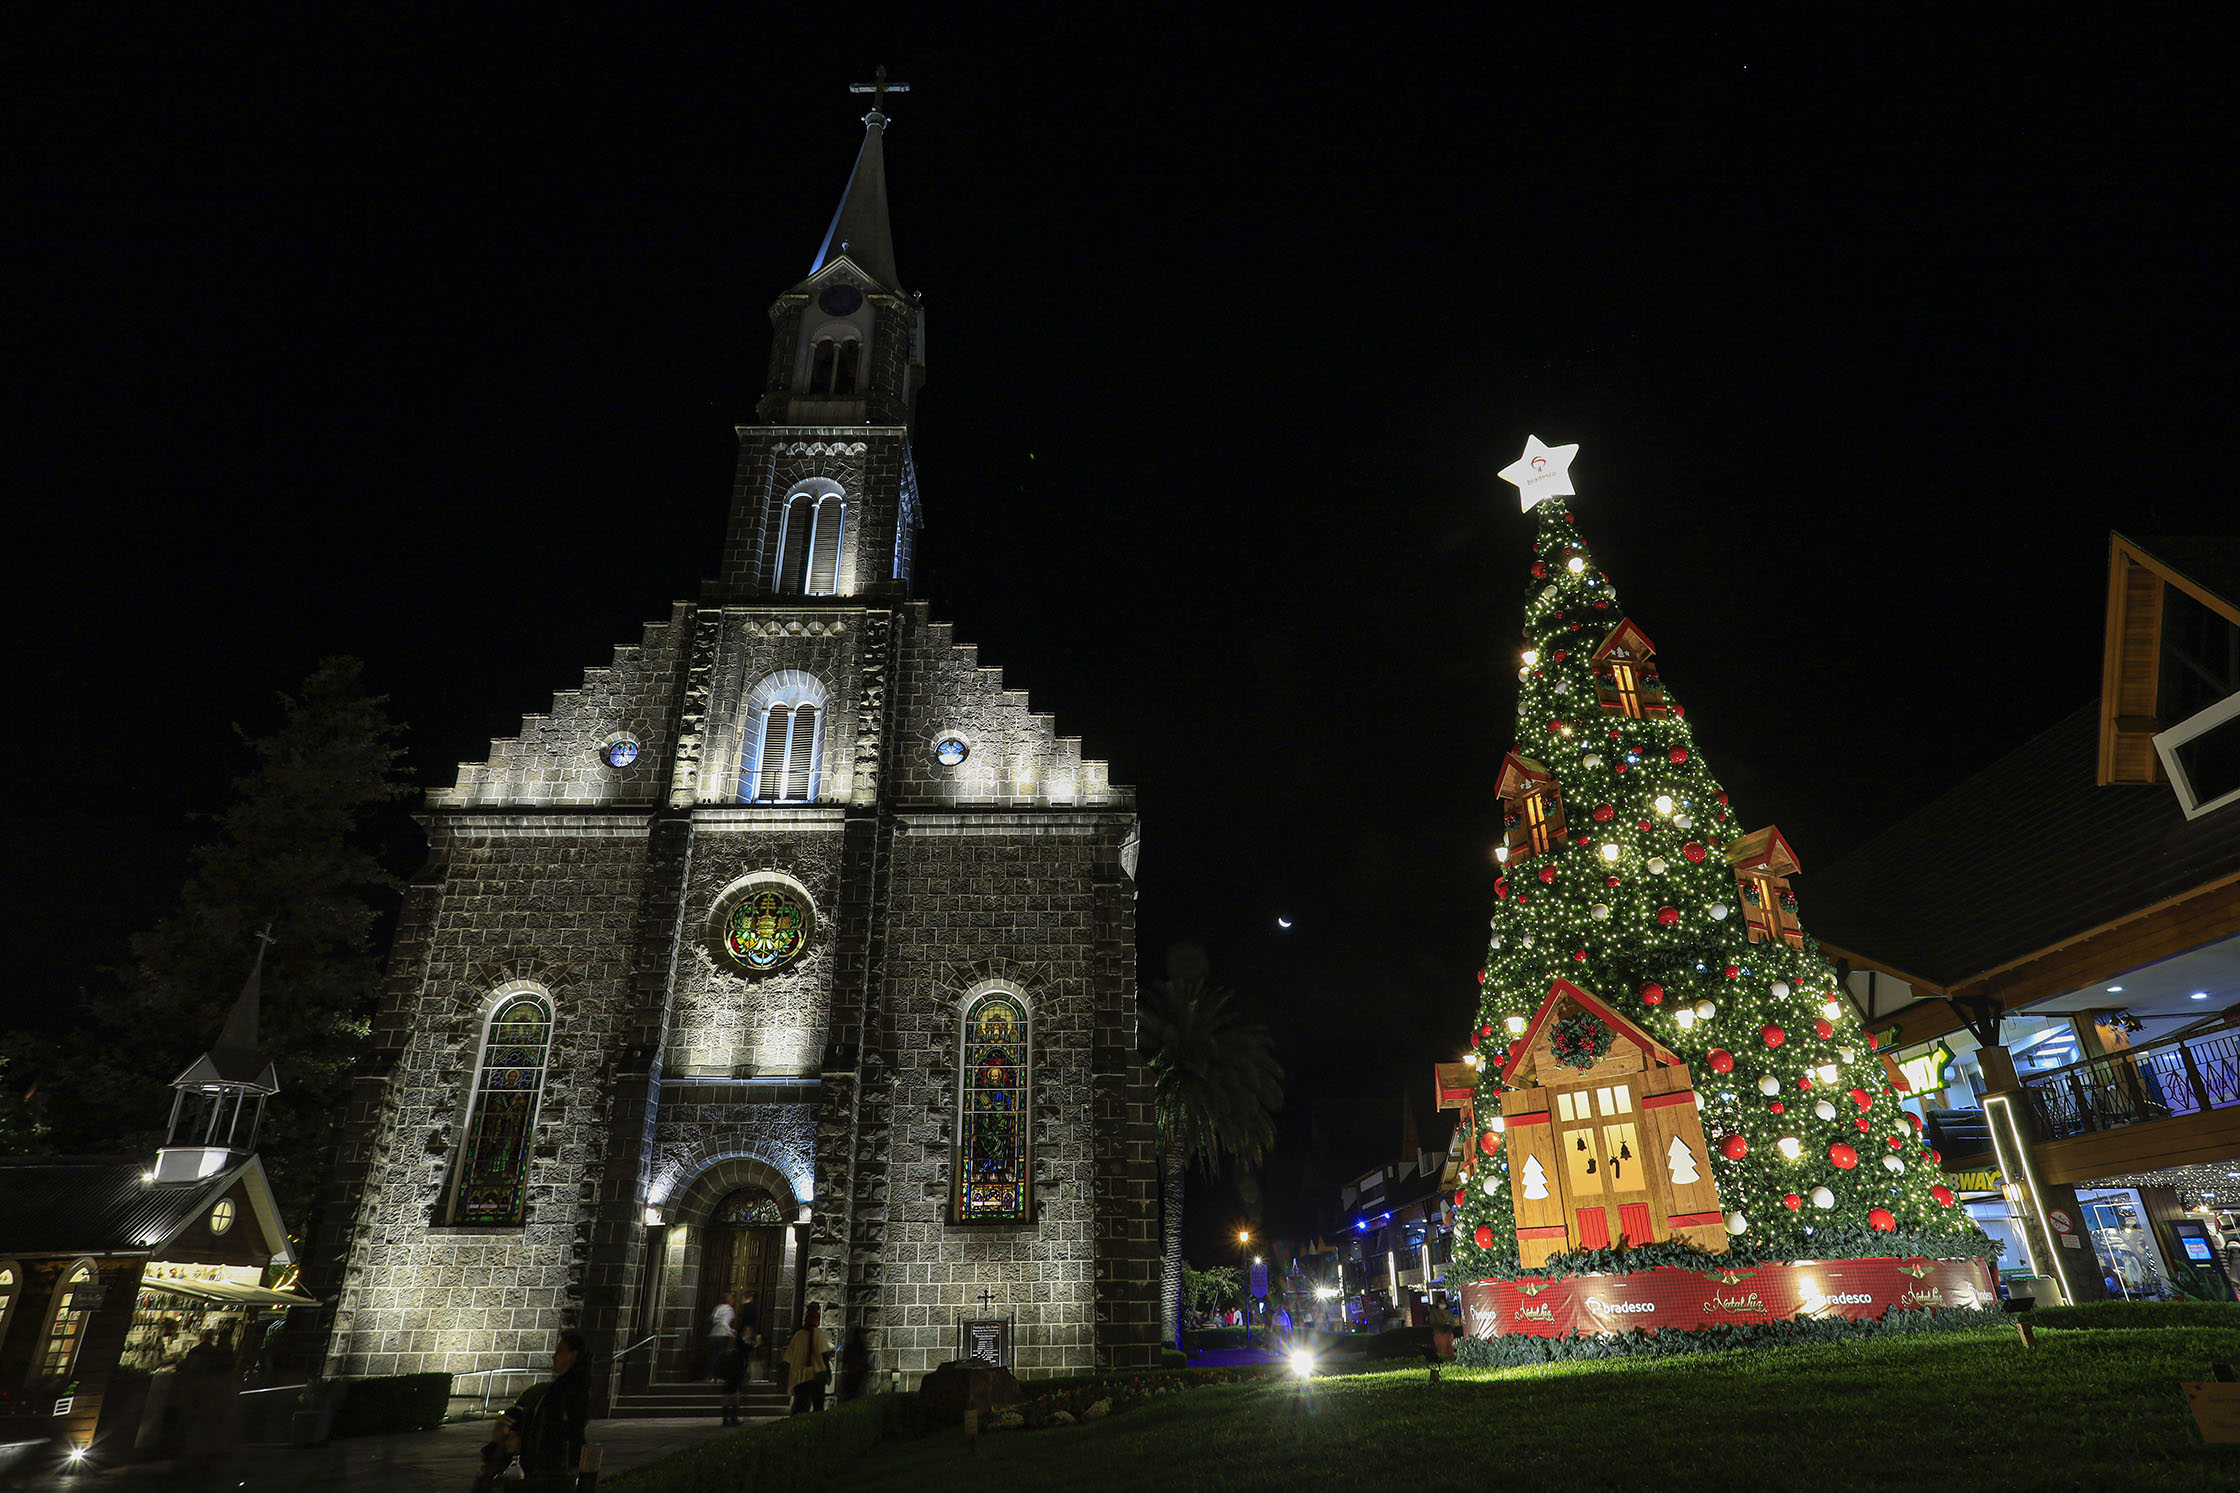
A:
766	929
620	752
951	750
221	1216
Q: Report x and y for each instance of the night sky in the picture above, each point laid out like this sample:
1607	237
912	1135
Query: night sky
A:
422	338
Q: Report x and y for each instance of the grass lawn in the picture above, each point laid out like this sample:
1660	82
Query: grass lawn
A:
1948	1411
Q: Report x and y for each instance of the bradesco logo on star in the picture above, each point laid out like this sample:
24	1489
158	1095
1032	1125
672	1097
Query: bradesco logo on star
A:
1849	1298
1603	1308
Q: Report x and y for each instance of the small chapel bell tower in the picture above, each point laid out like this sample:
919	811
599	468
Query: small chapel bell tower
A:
213	1133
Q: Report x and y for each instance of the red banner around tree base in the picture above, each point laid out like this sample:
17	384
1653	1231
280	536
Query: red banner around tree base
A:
1666	1297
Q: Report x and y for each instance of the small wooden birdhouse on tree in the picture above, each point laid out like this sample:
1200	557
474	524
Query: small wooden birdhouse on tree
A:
1763	864
1625	674
1605	1144
1535	807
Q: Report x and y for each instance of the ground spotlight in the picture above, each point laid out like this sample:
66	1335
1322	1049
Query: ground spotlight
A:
1302	1362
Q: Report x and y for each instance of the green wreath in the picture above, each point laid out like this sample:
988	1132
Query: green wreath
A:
1580	1039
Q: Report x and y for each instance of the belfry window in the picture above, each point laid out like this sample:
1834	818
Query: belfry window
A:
493	1183
810	529
833	364
783	751
993	1182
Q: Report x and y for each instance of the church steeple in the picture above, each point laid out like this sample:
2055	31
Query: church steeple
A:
221	1082
860	230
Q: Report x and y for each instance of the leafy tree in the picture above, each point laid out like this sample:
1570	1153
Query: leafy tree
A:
294	849
1211	1289
1217	1087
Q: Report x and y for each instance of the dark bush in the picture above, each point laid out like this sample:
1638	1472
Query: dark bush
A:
2134	1314
1173	1358
802	1451
404	1402
1482	1353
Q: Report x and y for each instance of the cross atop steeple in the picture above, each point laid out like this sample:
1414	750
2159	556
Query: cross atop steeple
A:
878	88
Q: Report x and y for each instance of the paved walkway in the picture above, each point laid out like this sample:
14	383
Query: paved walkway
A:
438	1461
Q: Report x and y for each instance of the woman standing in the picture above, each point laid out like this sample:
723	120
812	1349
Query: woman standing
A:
808	1363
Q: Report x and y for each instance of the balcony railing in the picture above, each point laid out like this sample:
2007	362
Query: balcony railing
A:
2129	1088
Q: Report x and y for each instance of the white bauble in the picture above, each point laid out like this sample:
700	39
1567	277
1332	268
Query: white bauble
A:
1718	912
1563	686
1769	1085
1528	940
1822	1198
1592	761
1683	821
1849	1055
1524	674
1705	1010
1497	940
1600	912
1736	1223
1493	1187
1824	1110
1780	990
1893	1164
1656	865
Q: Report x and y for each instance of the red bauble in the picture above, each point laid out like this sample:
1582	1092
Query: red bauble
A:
1823	1029
1936	1158
1603	813
1778	1107
1602	606
1459	1197
1609	881
1734	1148
1484	1236
1879	1219
1613	733
1644	826
1872	1044
1861	1125
1895	1142
1791	1201
1617	767
1547	873
1722	797
1487	1029
1842	1156
1862	1098
1481	981
1579	956
1556	724
1586	839
1694	853
1490	1142
1914	1120
1559	655
1679	754
1667	916
1942	1194
1501	886
1539	568
1732	971
1721	1060
1516	1047
1652	995
1773	1035
1805	1084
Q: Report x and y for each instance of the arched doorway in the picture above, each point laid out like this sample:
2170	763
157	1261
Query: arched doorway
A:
741	1249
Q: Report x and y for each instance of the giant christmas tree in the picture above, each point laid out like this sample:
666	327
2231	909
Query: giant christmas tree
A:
1680	1072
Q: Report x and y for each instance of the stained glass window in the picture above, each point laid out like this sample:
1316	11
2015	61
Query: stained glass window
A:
494	1171
750	1206
70	1315
766	930
992	1167
621	752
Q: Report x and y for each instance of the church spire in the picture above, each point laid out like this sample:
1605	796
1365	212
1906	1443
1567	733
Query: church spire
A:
860	229
222	1082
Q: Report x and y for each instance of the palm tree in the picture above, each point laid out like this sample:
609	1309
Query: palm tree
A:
1216	1088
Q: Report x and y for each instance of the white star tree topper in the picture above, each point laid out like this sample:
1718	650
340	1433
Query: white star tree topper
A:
1543	472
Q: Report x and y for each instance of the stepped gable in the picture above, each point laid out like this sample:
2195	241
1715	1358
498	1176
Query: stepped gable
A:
555	760
1017	756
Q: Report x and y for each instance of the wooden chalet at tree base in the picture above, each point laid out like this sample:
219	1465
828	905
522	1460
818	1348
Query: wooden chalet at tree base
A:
1673	1300
1605	1147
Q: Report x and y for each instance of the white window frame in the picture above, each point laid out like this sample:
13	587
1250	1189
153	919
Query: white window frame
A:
2166	746
788	688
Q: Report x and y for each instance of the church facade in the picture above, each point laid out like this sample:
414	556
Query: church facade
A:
791	954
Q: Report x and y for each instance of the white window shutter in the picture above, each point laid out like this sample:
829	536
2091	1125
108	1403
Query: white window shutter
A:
824	564
770	768
801	756
793	545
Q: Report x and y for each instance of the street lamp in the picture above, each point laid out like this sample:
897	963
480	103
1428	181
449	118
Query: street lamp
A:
1244	1241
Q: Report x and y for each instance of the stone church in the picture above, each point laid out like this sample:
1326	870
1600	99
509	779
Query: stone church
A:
792	953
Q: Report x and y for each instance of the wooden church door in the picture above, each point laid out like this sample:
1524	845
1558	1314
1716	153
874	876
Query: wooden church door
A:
740	1253
1605	1180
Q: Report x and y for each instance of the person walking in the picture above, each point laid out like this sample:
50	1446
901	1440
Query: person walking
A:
719	1335
808	1363
552	1432
749	1323
734	1364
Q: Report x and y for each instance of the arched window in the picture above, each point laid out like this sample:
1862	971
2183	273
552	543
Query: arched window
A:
494	1165
67	1329
844	368
810	527
992	1165
784	749
821	361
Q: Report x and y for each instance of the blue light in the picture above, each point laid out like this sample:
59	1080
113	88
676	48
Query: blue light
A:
1362	1226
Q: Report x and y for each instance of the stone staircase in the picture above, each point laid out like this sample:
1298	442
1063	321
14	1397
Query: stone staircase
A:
759	1399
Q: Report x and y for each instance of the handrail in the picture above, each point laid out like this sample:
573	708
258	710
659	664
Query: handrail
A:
484	1376
641	1342
2176	1076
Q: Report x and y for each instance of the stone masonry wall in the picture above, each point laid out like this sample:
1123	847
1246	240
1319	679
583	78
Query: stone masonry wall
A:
550	900
555	759
1008	898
